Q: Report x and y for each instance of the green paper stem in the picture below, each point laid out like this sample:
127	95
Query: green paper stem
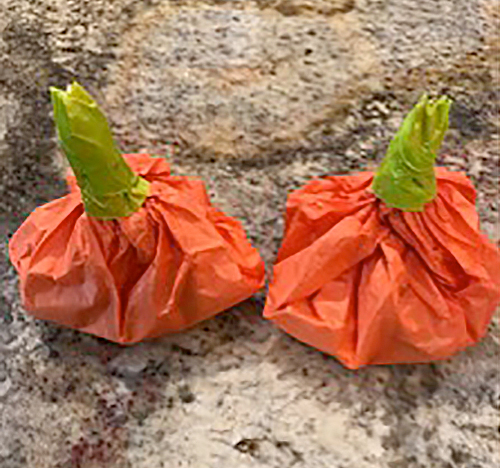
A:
406	179
109	187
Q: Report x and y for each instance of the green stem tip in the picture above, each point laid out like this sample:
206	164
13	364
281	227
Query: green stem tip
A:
109	187
406	178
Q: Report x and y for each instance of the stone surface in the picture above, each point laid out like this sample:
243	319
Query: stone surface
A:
253	79
261	96
236	81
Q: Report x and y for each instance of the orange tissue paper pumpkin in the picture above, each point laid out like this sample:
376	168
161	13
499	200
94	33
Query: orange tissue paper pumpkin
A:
131	252
388	267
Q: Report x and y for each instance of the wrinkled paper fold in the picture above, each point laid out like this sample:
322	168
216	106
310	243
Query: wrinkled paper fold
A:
173	263
371	284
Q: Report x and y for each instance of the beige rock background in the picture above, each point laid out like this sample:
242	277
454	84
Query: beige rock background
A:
261	96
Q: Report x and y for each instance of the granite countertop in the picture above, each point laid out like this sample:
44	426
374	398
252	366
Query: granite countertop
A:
262	96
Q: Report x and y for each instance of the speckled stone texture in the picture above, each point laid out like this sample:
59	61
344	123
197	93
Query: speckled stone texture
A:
261	96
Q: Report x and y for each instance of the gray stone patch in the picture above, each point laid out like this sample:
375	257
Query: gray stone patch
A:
234	82
248	81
